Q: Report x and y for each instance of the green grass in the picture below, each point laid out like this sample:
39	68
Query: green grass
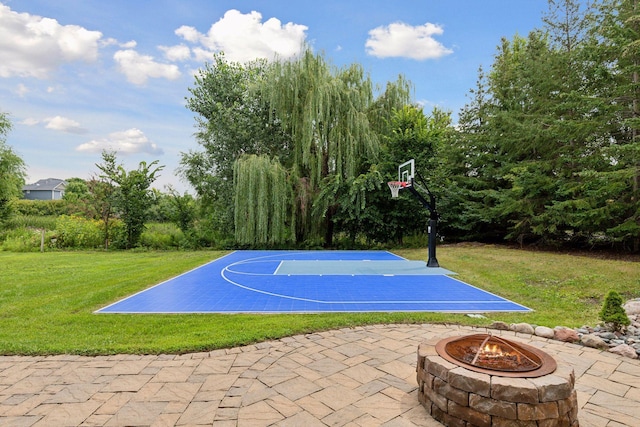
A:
47	299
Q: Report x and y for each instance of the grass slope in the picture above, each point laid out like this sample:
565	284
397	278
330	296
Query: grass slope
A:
47	300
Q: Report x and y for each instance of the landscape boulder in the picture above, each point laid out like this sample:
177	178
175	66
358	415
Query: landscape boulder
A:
632	306
593	341
565	334
544	332
523	328
624	350
502	326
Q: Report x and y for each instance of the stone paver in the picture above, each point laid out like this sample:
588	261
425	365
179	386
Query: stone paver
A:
362	376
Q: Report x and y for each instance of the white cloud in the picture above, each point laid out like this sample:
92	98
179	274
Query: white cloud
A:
64	124
30	121
190	34
244	37
129	141
138	68
202	55
59	123
113	42
129	45
176	53
403	40
33	46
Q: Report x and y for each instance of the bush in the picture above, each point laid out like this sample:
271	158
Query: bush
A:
73	231
24	239
161	236
41	207
612	313
77	232
47	222
117	234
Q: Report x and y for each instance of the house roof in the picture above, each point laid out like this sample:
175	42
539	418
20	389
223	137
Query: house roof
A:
49	184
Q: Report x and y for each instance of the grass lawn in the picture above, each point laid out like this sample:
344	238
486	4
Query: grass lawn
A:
47	299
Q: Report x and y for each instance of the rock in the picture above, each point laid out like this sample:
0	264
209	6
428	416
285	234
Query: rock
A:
632	306
543	331
565	334
624	350
607	335
523	328
583	331
500	325
594	341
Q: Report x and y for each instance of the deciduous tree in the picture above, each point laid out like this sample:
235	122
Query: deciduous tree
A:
12	171
325	110
130	194
231	120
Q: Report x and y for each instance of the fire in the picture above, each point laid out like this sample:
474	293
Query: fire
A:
488	353
495	351
492	349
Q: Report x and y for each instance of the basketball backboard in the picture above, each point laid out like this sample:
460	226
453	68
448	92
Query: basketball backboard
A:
407	171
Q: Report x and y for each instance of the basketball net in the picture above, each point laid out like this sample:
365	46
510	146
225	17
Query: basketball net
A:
395	187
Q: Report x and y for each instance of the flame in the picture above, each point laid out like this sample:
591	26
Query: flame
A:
492	348
495	351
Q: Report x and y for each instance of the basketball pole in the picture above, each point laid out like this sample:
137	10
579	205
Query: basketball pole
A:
433	222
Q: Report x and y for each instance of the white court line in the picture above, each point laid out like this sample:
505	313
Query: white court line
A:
260	291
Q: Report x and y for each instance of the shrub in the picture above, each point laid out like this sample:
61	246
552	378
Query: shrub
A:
47	222
161	236
612	313
24	239
76	232
41	207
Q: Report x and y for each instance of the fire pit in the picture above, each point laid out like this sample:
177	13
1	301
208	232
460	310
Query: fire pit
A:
485	380
487	353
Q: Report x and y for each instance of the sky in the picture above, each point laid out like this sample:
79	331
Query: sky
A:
81	76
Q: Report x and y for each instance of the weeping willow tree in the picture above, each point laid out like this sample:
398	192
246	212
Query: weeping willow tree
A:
261	201
325	111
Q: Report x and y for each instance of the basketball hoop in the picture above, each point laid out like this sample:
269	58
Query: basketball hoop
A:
395	187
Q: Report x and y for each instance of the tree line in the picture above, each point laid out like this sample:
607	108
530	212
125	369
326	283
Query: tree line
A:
546	150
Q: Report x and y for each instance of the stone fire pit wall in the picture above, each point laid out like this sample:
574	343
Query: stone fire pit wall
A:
456	396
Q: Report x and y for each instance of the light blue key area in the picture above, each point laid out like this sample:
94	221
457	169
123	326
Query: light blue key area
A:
325	268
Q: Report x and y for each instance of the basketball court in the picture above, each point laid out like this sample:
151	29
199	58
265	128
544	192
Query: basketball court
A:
314	282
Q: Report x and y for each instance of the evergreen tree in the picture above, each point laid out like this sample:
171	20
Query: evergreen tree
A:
467	169
612	313
616	36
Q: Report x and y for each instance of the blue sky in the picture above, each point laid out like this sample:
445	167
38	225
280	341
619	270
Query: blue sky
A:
80	76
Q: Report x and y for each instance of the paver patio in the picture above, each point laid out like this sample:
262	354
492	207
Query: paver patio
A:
363	376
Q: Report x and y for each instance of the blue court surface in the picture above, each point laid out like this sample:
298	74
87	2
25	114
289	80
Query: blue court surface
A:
313	282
